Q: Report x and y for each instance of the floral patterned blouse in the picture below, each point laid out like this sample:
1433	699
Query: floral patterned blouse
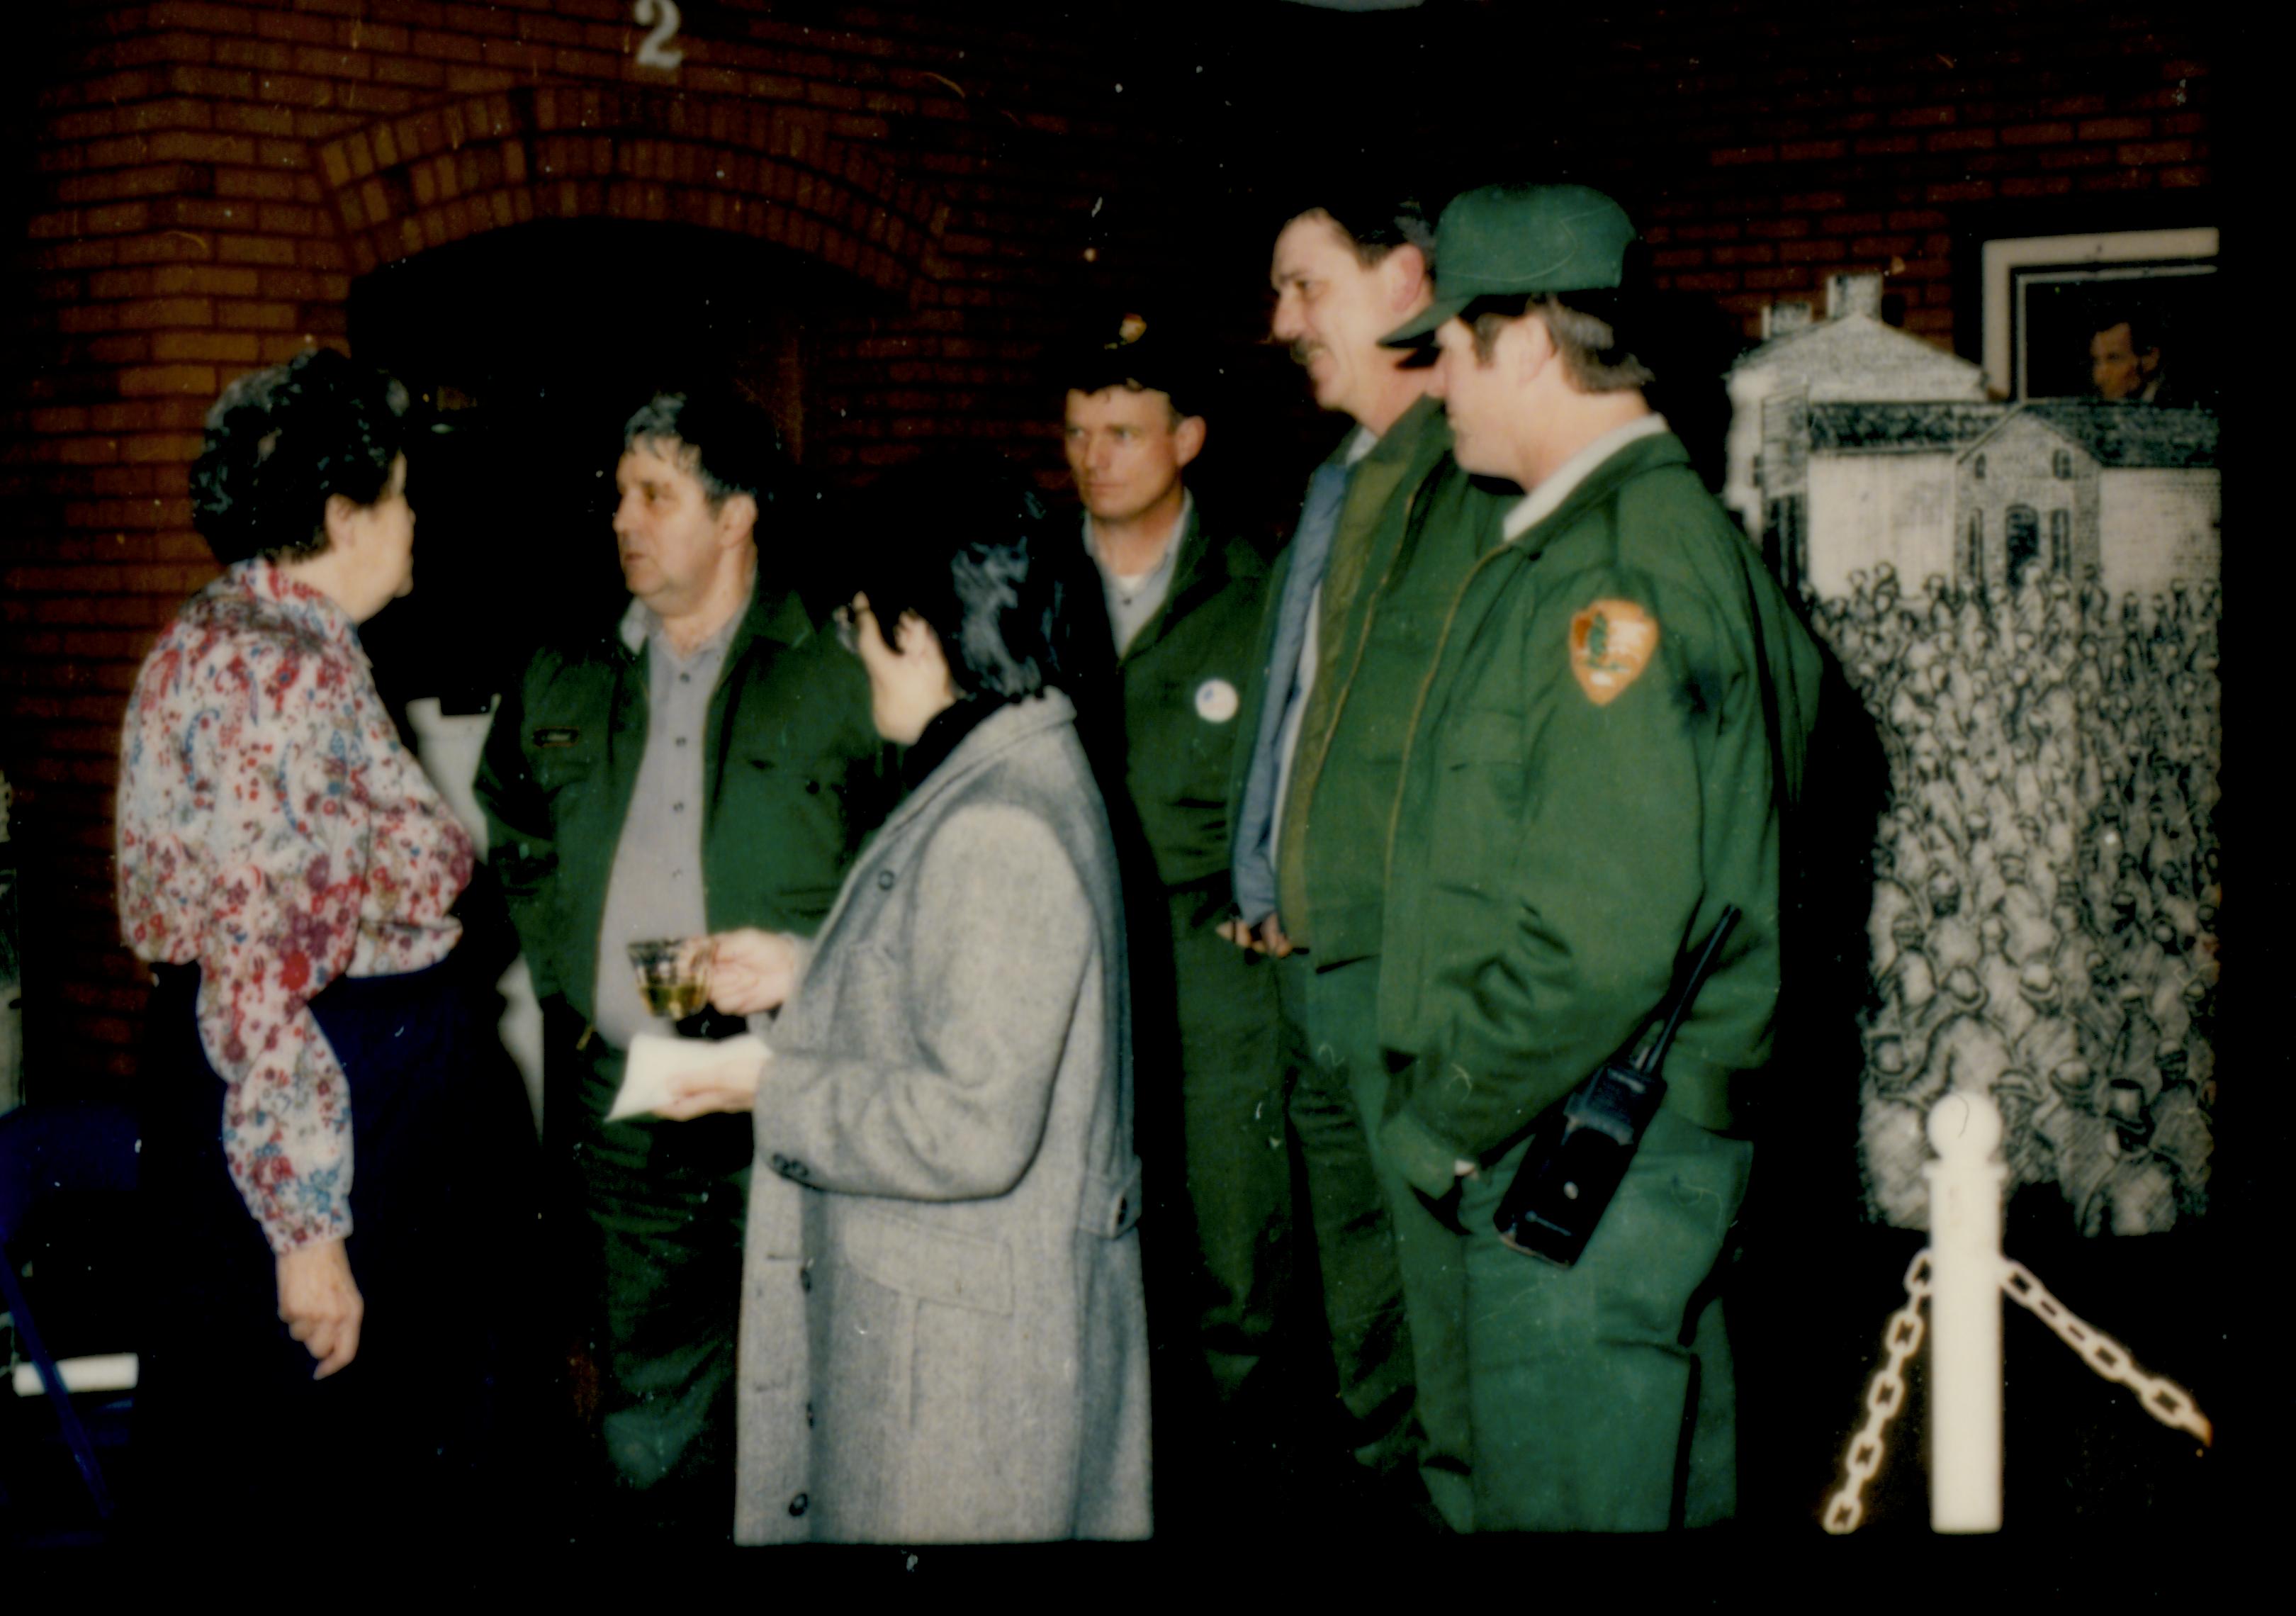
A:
273	830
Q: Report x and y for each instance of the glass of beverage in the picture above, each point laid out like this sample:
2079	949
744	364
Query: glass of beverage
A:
673	974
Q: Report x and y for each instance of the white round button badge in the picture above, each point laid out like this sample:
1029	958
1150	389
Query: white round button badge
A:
1216	701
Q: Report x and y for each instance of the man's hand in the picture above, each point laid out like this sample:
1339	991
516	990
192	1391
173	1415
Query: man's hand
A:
752	971
729	1086
1464	1169
320	1304
1268	939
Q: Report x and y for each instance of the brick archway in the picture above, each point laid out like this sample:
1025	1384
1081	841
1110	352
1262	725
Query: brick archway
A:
423	179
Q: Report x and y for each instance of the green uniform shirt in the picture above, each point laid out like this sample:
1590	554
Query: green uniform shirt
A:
1618	714
1414	524
794	771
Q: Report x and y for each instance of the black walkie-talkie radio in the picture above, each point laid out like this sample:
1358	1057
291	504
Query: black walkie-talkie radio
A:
1581	1155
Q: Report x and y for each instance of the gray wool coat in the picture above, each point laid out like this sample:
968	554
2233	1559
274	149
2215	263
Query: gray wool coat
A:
943	1336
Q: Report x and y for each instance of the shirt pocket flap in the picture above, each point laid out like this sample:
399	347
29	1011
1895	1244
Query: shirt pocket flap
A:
561	755
1112	1201
931	1265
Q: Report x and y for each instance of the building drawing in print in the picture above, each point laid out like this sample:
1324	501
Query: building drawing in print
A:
2026	597
1812	387
2128	489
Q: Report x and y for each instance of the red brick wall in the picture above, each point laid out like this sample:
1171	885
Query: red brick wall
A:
1781	143
209	179
204	182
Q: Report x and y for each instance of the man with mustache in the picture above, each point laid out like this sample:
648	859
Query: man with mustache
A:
1389	527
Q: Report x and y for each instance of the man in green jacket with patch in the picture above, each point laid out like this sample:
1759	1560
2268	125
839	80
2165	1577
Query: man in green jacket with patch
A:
1601	761
707	763
1184	610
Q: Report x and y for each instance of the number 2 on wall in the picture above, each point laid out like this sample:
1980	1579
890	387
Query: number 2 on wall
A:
654	50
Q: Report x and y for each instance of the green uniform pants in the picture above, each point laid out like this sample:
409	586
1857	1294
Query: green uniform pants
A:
665	1203
1331	1035
1600	1397
1239	1169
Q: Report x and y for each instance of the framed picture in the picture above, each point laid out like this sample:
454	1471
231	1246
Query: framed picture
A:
2049	298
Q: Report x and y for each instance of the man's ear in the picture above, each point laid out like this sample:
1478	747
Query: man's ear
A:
737	518
1404	270
1531	346
1188	438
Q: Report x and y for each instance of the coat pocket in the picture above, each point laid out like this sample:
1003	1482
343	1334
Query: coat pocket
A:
961	1270
926	1364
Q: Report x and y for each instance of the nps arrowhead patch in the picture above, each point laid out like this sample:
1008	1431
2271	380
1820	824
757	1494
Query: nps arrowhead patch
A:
1611	642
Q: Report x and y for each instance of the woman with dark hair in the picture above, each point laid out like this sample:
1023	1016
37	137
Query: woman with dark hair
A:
943	1334
328	1119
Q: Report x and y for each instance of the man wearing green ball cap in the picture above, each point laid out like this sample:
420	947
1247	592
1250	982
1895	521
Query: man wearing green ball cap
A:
1615	725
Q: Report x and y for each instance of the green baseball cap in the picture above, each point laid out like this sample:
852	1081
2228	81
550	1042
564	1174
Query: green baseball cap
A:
1520	240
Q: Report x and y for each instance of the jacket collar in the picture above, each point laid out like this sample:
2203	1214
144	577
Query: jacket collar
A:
778	616
1417	431
278	594
1420	439
1200	568
1630	458
1011	725
1547	497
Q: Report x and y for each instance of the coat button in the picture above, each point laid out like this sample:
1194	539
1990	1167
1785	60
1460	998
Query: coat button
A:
813	788
885	881
798	1504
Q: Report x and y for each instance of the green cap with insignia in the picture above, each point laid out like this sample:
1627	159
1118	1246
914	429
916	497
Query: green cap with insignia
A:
1513	241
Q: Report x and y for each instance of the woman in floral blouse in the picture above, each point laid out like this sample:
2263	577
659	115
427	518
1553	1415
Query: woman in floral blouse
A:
328	1120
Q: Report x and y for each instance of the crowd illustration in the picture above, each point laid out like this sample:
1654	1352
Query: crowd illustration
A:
2046	892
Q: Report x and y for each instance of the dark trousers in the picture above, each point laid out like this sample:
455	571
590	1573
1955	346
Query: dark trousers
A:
429	1428
658	1271
1219	1241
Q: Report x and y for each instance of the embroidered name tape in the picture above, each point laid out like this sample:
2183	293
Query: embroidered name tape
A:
1611	642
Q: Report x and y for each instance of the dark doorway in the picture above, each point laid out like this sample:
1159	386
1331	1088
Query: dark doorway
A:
530	346
2023	538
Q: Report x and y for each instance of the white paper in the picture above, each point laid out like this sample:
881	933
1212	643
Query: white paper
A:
654	1060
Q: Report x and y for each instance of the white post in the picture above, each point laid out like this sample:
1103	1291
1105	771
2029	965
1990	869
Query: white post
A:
1965	1187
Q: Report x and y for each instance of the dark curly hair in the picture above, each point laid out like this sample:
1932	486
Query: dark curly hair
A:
966	544
282	442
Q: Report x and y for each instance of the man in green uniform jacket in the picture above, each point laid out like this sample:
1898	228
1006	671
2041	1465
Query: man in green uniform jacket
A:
707	764
1388	525
1614	729
1184	615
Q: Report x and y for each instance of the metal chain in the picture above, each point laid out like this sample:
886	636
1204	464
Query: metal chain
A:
1885	1393
1885	1396
2164	1401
